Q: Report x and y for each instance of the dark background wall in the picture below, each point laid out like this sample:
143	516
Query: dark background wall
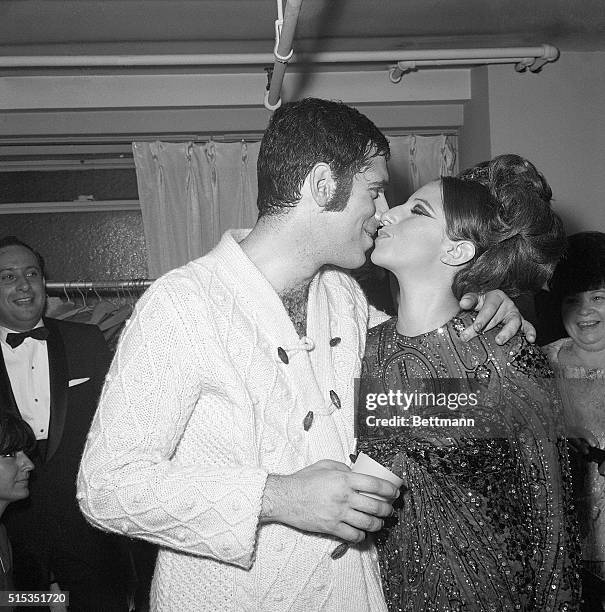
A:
84	246
78	245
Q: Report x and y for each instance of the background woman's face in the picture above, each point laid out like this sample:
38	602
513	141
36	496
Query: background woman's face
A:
14	476
584	318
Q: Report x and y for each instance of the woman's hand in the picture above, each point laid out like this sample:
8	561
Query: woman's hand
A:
495	307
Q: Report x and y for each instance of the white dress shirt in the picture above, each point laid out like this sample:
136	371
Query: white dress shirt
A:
27	367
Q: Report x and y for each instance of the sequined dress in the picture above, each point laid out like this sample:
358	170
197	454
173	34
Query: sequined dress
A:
486	522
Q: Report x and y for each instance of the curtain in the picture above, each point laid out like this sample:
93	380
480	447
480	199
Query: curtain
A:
191	193
417	160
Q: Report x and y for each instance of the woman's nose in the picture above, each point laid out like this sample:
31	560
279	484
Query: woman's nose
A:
585	306
25	462
383	218
391	215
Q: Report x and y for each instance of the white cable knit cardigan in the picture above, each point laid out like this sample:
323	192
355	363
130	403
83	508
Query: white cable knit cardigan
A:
198	408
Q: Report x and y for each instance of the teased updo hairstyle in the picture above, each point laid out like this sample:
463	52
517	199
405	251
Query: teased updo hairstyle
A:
15	435
583	266
507	215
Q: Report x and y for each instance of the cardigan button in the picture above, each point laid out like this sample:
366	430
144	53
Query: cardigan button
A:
282	355
335	399
335	341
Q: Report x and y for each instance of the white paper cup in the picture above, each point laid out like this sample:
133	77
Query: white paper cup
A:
366	465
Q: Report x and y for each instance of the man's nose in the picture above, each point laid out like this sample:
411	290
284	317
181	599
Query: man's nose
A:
381	206
23	283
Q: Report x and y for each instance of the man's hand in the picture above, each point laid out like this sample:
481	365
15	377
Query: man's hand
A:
581	439
585	443
327	497
495	307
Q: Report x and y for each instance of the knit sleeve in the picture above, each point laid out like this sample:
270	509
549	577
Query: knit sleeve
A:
132	480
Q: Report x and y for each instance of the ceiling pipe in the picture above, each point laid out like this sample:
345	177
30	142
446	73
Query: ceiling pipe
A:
542	53
533	58
126	61
283	51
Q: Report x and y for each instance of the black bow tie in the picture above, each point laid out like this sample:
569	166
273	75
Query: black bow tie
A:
38	333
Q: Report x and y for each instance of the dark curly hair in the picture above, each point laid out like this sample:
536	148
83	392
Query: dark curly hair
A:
583	266
302	134
507	215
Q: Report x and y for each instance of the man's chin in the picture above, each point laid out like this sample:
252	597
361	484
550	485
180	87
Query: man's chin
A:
355	264
27	321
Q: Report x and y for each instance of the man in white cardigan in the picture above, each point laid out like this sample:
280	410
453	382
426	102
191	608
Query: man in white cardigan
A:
226	421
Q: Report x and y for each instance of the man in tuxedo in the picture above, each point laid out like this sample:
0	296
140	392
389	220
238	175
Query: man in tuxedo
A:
51	373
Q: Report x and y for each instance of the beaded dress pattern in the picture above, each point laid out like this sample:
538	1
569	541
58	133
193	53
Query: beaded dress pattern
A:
486	521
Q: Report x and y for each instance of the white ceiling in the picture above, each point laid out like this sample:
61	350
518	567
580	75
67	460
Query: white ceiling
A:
233	26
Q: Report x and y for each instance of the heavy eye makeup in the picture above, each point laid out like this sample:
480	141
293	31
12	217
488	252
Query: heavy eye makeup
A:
418	209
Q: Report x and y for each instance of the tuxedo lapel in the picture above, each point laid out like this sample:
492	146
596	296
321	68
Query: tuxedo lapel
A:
7	399
59	377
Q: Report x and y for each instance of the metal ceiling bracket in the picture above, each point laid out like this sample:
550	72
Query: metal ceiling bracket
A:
396	72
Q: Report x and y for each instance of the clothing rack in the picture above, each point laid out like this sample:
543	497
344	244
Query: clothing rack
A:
137	285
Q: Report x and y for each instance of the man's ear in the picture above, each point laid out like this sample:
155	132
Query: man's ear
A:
458	253
322	184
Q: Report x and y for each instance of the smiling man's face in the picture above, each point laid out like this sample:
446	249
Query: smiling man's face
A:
22	292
